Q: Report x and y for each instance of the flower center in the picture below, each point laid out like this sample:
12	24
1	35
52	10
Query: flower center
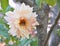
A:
22	22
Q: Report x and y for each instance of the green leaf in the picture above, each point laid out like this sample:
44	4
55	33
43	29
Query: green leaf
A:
6	10
58	32
9	9
4	4
2	21
34	42
0	11
39	2
3	28
3	31
17	43
6	40
51	2
28	42
58	3
23	41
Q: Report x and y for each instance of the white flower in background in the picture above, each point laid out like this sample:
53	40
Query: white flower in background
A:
21	21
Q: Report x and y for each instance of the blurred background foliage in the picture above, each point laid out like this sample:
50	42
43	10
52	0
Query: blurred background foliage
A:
5	37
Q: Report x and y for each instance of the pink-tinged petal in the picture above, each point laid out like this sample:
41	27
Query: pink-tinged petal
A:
8	19
34	14
12	32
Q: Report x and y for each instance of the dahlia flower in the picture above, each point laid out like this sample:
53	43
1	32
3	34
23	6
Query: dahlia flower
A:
22	21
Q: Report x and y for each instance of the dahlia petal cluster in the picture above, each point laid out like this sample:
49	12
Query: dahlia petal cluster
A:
22	21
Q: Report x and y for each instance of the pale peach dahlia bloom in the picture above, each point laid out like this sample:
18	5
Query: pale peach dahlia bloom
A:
22	21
